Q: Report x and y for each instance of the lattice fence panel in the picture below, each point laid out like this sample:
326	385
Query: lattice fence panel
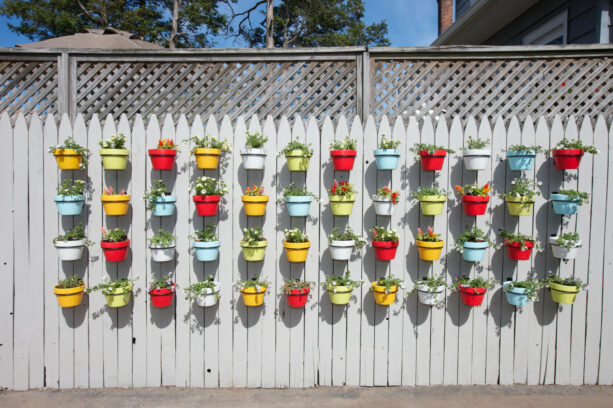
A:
28	86
293	88
491	88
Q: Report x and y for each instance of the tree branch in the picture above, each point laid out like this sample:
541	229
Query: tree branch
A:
91	16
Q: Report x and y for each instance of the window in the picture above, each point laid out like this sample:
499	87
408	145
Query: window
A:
551	32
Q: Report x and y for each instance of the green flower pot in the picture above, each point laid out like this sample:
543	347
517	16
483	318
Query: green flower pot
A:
339	295
519	206
342	205
254	252
296	161
562	293
114	159
432	205
120	297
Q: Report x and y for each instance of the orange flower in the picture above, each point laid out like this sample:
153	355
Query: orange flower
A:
458	188
430	231
486	186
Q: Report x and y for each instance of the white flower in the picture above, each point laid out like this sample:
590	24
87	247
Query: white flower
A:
423	105
334	290
430	112
540	183
417	112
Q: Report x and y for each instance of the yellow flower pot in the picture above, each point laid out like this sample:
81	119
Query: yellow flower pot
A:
67	159
296	161
342	205
432	205
562	293
296	251
519	206
70	297
255	252
207	158
252	297
114	159
255	205
120	297
115	204
382	298
429	251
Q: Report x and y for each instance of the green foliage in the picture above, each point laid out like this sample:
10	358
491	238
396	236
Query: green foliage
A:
429	148
205	235
74	234
347	235
306	149
255	140
474	234
162	239
71	187
383	234
291	284
346	144
199	288
157	191
295	235
255	282
163	282
388	144
389	281
108	288
342	189
574	144
531	285
70	282
114	235
523	149
574	195
293	191
252	236
570	281
477	282
428	236
254	191
476	143
435	190
512	238
522	187
69	143
209	186
431	282
569	240
386	193
474	190
210	142
333	281
117	141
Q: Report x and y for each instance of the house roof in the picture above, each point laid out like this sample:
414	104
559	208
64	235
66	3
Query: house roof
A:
106	39
482	20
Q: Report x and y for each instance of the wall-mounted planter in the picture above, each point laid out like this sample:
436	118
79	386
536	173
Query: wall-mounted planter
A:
207	159
561	252
206	251
387	159
120	297
164	206
339	295
253	296
563	205
296	252
383	206
162	253
382	298
518	207
69	204
432	205
114	159
472	296
298	206
474	251
297	161
255	252
341	250
115	251
297	297
475	205
567	159
69	297
253	159
562	293
515	296
70	250
67	159
434	161
385	250
162	297
207	205
520	160
341	205
429	251
115	204
162	159
476	159
428	296
255	206
515	251
343	159
209	296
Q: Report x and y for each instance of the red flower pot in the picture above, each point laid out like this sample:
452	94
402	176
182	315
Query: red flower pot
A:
343	159
567	159
472	296
516	253
297	297
432	162
162	159
115	251
475	205
385	250
207	204
162	297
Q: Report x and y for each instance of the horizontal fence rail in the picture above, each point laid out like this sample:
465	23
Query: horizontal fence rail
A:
362	344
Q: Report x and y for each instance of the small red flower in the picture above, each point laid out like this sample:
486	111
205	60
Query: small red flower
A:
596	90
419	231
563	83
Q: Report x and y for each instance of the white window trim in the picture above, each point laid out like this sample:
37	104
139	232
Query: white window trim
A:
549	31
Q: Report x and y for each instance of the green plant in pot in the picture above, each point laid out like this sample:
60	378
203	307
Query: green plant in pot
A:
69	198
476	153
431	199
342	197
567	153
565	246
432	157
205	293
340	288
564	290
296	292
472	243
161	202
472	291
70	155
296	245
567	202
430	290
253	291
254	154
297	200
206	243
521	157
384	289
253	244
521	292
71	244
342	243
69	291
208	150
298	155
117	293
162	246
113	152
520	200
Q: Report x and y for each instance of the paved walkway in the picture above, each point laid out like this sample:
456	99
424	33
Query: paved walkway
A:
430	397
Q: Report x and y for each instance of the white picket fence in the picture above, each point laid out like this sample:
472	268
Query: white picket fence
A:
276	346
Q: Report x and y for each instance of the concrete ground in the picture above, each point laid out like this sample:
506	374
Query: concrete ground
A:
431	397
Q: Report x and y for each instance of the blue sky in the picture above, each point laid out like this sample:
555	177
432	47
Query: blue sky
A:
410	23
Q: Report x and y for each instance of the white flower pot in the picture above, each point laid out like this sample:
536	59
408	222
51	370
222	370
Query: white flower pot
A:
561	252
253	159
428	296
208	297
162	254
70	250
383	206
341	250
476	159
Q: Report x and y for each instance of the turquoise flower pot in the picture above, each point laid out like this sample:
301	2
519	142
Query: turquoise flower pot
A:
563	205
387	159
164	206
520	160
69	204
474	251
515	296
298	206
206	251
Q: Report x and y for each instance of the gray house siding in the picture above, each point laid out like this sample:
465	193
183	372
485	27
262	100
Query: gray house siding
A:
461	6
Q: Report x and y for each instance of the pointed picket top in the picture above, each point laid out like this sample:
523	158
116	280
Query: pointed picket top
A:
427	129
298	130
471	128
356	129
65	130
153	128
211	127
601	126
109	127
36	125
269	128
370	129
556	128
182	128
327	128
197	127
571	131
384	128
514	128
413	134
499	129
168	128
342	130
239	128
399	130
442	132
456	126
226	127
79	127
312	129
586	128
254	125
528	132
485	129
542	132
94	132
124	127
5	123
138	130
284	129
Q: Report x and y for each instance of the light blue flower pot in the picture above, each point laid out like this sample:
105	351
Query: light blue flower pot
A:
165	206
298	206
474	251
69	204
206	251
387	159
520	160
563	205
515	296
